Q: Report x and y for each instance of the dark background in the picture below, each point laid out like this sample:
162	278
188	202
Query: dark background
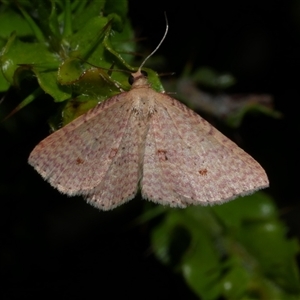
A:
54	245
259	43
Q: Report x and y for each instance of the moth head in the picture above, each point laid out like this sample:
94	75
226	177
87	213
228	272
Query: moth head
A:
138	78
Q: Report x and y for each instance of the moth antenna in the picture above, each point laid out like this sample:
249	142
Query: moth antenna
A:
157	47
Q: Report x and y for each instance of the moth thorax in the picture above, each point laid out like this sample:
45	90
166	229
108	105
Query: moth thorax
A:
144	107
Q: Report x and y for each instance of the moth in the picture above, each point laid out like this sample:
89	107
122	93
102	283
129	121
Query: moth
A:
147	140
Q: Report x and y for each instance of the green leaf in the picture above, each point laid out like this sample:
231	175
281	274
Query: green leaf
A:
25	102
75	48
207	77
34	27
85	11
237	250
12	21
235	119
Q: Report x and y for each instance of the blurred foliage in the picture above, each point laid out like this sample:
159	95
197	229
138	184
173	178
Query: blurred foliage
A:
238	250
192	88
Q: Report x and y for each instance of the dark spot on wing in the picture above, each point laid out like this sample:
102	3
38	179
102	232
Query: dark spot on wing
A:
113	153
203	172
162	155
79	161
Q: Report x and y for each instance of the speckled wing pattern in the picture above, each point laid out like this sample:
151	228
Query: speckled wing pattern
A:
188	161
96	155
147	139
